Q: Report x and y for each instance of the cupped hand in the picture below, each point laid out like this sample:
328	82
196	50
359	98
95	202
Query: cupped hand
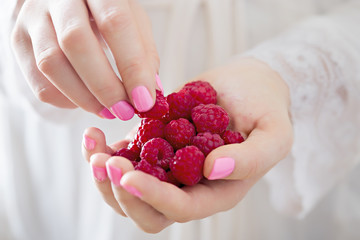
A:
60	47
257	101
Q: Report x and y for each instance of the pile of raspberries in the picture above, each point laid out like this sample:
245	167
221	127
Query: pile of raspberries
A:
177	134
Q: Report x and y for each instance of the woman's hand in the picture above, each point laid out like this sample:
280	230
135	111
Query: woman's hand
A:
59	46
257	101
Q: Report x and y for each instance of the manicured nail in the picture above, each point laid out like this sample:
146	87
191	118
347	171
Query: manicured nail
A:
159	84
99	173
132	190
223	167
89	143
142	99
105	113
123	110
114	174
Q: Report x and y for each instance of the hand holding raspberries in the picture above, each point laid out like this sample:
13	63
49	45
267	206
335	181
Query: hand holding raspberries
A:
179	132
257	102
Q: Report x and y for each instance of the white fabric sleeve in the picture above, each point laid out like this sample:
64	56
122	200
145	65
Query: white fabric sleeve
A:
320	60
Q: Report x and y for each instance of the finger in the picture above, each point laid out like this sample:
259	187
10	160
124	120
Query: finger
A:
80	45
52	62
94	142
188	203
140	212
267	144
102	181
145	30
117	24
39	84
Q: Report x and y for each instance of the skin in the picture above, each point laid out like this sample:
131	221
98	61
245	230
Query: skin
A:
257	100
59	47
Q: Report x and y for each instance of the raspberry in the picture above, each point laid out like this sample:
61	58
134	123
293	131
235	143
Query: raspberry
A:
206	142
149	128
126	153
156	150
160	108
133	146
201	92
180	105
156	171
172	179
232	137
210	118
179	132
187	165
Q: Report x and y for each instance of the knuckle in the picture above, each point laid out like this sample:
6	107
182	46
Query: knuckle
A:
114	19
48	59
72	38
132	67
46	94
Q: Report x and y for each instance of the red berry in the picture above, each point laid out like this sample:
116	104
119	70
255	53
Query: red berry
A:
156	150
179	132
149	128
160	108
126	153
172	179
201	92
180	105
134	147
210	118
187	165
207	141
232	137
155	171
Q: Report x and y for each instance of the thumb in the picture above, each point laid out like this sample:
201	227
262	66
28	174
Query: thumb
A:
267	144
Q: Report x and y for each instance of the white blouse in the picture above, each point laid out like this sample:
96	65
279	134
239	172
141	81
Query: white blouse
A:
46	189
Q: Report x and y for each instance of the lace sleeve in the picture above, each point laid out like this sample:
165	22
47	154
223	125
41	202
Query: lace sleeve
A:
320	61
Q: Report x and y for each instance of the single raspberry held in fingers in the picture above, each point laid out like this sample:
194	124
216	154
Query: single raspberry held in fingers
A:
126	153
230	137
155	171
160	108
149	128
210	118
201	92
187	165
207	141
180	105
179	132
156	150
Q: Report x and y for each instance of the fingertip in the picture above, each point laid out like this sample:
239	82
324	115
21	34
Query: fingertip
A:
142	98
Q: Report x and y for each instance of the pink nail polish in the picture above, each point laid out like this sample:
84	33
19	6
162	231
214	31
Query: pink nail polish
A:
99	173
123	110
105	113
132	190
159	84
223	167
114	174
142	99
89	143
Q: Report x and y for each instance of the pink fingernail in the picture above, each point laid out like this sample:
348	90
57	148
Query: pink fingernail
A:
114	174
99	173
105	113
89	143
223	167
132	190
142	99
159	84
123	110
